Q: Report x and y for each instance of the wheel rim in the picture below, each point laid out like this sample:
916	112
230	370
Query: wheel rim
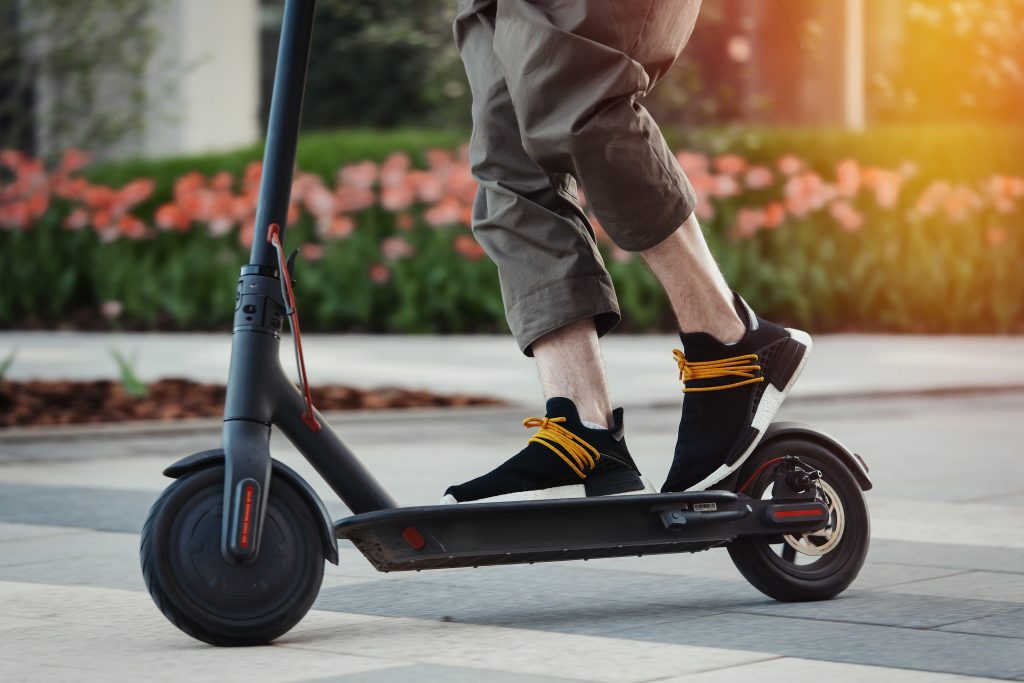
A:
228	591
815	554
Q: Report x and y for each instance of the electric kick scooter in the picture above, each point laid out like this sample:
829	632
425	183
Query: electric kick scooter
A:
233	551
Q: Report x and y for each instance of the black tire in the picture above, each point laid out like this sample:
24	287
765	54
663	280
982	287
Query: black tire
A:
779	574
218	602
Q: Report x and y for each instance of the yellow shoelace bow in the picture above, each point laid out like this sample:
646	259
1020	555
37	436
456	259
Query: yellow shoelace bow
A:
738	366
579	455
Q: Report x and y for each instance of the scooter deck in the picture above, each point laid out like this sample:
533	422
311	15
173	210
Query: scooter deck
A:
476	534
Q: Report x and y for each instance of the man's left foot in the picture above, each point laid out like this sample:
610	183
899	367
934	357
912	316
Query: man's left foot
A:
732	393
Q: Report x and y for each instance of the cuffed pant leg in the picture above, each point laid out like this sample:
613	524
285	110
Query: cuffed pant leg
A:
527	219
574	70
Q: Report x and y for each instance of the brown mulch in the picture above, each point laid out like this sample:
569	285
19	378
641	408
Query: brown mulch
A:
38	402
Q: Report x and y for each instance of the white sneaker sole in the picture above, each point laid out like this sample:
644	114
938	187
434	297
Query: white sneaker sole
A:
771	401
555	493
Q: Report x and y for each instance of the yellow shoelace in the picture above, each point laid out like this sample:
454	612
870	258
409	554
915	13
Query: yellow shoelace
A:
579	455
738	366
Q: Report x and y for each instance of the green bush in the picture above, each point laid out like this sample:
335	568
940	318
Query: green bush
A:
944	256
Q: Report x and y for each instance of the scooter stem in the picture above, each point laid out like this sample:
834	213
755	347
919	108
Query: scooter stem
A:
259	393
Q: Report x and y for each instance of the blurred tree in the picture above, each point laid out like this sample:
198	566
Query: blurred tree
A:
73	74
378	63
955	61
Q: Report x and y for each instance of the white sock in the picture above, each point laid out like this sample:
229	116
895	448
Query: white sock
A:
591	425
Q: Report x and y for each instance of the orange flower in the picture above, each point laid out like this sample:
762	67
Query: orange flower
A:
445	212
340	227
405	222
170	217
379	273
730	164
774	215
73	160
467	247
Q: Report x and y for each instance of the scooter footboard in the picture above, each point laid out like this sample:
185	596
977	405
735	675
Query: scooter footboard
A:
478	534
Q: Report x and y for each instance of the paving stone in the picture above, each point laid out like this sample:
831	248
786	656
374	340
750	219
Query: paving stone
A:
1009	625
865	607
995	586
796	670
435	673
927	650
69	506
947	555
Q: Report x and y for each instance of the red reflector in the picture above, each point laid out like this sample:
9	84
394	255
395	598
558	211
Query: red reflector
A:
414	538
243	540
807	512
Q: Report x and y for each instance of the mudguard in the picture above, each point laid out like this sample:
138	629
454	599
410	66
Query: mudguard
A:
215	456
856	464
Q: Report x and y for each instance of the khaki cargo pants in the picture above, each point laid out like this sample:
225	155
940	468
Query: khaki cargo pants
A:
555	86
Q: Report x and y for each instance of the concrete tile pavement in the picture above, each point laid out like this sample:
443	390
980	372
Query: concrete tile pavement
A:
640	368
940	597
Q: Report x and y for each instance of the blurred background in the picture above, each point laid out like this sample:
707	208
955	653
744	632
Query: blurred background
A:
859	164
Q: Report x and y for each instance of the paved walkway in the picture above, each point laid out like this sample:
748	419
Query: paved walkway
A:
941	597
640	368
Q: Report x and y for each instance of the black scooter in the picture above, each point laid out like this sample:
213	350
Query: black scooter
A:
233	551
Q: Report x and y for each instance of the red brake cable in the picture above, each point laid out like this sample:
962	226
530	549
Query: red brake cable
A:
291	310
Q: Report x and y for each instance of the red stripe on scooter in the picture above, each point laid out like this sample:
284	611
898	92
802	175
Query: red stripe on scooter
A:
243	541
809	512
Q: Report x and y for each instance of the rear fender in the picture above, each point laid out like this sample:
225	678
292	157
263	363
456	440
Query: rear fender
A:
854	462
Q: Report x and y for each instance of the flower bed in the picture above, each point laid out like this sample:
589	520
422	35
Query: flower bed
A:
386	246
38	403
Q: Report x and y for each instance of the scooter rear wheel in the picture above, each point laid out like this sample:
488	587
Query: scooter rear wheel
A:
813	566
216	601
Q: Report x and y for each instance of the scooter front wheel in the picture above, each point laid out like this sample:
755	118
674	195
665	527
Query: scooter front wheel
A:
810	566
220	602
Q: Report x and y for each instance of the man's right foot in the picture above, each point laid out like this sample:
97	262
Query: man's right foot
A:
565	459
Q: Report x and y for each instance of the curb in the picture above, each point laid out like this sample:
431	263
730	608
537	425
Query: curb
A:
155	428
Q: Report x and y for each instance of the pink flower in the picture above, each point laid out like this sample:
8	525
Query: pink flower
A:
789	164
758	177
749	221
362	175
693	162
848	217
730	164
445	212
111	309
311	251
395	248
394	168
396	197
848	177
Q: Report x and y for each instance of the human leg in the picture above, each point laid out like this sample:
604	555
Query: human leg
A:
558	296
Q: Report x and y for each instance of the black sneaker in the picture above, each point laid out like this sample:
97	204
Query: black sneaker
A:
732	393
565	459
